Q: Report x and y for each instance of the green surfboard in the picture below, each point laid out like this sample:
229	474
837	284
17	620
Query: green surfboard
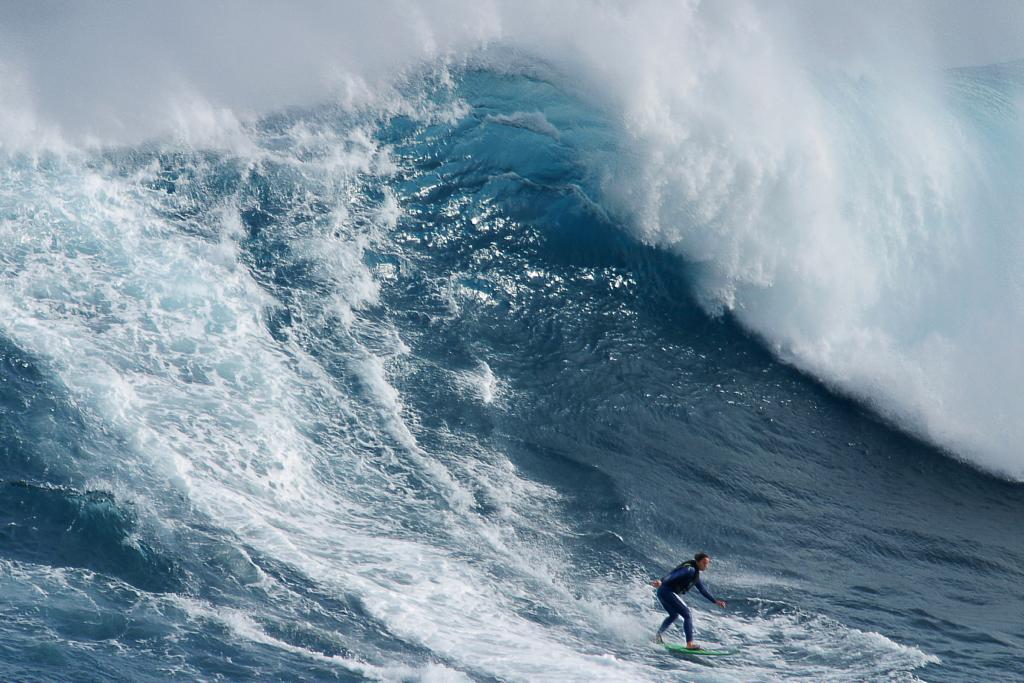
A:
679	648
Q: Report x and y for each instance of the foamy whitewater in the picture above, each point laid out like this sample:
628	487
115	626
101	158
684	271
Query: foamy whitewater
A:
410	343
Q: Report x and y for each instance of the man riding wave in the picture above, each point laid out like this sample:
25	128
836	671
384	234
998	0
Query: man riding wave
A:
679	581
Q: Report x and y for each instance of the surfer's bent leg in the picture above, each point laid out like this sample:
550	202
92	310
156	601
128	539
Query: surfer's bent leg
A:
676	608
687	622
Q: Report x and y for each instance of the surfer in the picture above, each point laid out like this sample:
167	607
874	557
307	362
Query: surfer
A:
679	580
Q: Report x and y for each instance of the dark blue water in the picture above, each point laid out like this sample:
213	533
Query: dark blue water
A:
397	396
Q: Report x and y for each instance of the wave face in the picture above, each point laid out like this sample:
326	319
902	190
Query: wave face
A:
868	234
426	379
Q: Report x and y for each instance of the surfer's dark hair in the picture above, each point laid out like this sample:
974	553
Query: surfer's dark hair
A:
700	556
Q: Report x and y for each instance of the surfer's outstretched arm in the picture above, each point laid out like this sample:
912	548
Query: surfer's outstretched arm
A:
706	594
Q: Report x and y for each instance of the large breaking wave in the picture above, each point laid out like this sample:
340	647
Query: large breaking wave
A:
854	203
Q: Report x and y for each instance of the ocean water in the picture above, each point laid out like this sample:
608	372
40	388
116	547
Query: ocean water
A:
427	377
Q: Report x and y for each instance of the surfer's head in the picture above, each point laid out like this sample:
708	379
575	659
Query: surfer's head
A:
702	560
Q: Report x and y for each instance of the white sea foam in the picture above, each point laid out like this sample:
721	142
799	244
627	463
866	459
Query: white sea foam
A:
825	649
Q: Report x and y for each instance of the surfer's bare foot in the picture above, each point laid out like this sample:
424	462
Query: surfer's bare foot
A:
692	646
657	638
